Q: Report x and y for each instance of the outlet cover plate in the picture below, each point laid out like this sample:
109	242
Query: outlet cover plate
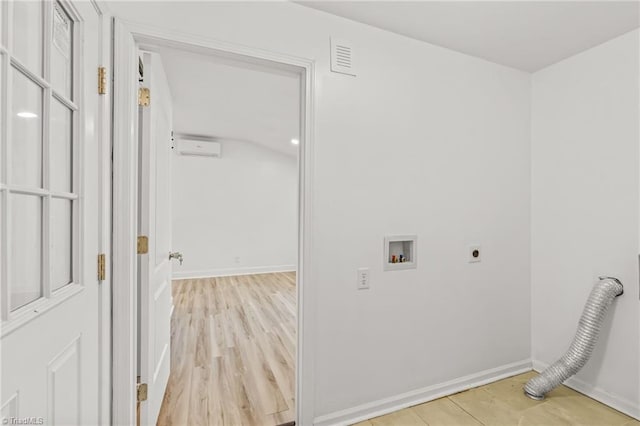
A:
363	278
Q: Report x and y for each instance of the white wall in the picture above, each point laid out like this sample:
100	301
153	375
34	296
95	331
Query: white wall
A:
423	141
235	214
585	215
240	100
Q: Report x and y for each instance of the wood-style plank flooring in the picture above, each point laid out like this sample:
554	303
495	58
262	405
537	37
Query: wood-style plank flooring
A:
232	351
503	404
232	363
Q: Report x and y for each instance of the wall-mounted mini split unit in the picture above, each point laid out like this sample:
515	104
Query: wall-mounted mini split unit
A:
199	147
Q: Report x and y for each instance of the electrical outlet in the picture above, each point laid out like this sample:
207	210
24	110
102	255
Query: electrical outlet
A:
363	278
475	254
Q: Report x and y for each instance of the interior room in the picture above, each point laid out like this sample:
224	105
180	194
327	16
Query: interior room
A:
247	219
526	150
234	219
320	213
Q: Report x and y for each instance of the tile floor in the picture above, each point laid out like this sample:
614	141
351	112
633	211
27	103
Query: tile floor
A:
503	404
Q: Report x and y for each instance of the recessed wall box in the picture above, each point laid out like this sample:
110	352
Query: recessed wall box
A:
400	252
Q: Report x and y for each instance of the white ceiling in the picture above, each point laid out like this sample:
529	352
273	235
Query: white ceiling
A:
232	100
527	35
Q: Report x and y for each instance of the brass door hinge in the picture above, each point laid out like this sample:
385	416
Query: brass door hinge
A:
102	80
143	244
141	392
102	267
144	96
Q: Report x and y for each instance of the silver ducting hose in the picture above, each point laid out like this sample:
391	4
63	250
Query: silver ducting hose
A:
601	297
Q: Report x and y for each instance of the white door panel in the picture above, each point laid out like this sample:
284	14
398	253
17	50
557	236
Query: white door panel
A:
49	204
125	229
155	222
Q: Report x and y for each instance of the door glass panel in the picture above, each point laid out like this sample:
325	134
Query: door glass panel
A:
61	49
26	131
25	249
61	243
60	148
27	33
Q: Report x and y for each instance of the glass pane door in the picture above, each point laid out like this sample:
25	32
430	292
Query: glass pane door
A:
38	232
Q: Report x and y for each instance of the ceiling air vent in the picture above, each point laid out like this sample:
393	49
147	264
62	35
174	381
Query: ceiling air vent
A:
342	57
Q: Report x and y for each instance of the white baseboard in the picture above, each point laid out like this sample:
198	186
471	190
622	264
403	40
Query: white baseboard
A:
614	401
419	396
181	275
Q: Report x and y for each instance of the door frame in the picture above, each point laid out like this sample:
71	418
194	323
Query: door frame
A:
124	269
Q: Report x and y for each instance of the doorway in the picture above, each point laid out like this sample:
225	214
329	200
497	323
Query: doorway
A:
224	298
218	153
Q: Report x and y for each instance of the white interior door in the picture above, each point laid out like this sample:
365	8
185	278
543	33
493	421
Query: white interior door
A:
49	205
155	222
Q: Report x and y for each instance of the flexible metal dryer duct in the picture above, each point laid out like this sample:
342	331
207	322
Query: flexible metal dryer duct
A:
601	297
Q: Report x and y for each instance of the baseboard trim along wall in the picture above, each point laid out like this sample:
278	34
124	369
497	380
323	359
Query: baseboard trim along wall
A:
419	396
614	401
181	275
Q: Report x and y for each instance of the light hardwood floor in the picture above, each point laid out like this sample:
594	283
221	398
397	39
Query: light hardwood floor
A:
232	363
232	352
503	404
